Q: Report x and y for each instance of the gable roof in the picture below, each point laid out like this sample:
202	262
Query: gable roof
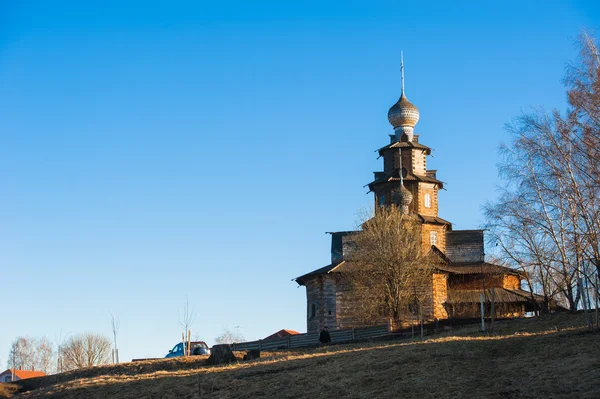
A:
24	374
323	270
281	334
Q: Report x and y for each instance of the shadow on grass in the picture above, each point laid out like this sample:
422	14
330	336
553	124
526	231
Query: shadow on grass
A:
526	365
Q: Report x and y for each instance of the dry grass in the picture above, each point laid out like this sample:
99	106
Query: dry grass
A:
7	390
553	357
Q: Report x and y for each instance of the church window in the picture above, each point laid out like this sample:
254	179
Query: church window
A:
382	200
313	310
433	238
427	201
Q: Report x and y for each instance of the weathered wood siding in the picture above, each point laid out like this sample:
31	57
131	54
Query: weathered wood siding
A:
475	281
348	305
414	160
465	246
339	246
332	294
419	162
390	160
320	293
407	159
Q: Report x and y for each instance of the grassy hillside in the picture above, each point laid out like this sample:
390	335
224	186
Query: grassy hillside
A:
549	357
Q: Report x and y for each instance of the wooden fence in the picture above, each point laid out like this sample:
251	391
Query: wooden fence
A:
312	339
395	330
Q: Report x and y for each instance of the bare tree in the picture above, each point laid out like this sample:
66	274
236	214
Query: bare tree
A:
229	337
547	219
32	354
115	329
23	353
186	319
46	356
85	350
388	269
583	83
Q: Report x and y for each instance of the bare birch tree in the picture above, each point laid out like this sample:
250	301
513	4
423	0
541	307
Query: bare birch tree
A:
23	353
547	219
46	356
583	82
32	353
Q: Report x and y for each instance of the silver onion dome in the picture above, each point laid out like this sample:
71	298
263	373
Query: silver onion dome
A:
403	114
402	198
406	196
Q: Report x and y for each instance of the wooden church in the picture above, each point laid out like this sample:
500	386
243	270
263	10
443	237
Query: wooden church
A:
462	273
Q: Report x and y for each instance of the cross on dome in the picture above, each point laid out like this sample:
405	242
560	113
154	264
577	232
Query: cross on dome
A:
403	115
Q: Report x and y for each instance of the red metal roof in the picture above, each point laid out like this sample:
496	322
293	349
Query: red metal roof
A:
24	374
281	334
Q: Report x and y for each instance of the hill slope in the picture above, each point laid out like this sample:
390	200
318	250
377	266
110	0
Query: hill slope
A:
553	356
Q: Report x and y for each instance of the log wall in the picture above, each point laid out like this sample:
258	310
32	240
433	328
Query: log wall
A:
321	294
440	295
426	188
511	282
426	229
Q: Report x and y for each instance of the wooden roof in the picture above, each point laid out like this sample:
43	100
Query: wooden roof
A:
409	177
443	258
404	144
478	268
501	295
323	270
433	220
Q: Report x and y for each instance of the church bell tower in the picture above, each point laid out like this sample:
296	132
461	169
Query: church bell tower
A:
405	180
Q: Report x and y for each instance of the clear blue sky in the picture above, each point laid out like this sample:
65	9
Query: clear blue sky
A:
152	150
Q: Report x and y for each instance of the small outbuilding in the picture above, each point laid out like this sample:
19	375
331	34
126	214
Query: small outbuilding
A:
11	375
281	334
